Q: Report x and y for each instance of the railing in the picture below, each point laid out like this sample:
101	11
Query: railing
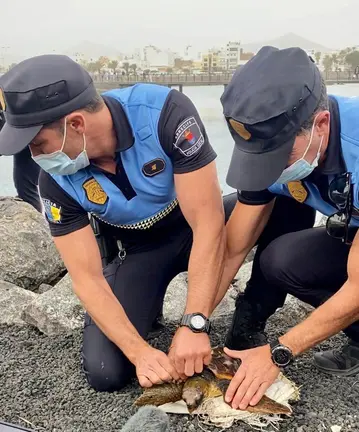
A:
203	78
164	78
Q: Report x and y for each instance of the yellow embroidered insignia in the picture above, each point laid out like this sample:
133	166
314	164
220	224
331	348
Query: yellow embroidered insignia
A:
298	191
153	167
94	191
240	129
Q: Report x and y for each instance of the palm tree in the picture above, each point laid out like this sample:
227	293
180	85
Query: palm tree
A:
126	66
113	65
133	67
317	56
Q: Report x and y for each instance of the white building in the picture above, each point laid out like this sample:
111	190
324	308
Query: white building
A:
153	56
233	55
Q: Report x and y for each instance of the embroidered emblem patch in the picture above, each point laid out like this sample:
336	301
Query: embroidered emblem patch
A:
298	191
52	211
188	137
240	129
2	100
153	167
94	191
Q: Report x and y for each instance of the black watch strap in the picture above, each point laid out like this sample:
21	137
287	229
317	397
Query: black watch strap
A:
187	322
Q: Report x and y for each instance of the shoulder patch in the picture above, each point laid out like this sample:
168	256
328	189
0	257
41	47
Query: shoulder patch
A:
52	211
298	191
188	137
153	167
94	191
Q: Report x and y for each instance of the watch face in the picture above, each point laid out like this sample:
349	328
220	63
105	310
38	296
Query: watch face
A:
281	356
198	322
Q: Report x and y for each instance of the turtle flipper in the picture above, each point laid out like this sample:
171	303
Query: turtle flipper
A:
269	406
265	406
160	394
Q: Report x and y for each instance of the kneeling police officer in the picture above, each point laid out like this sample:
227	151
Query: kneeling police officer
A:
138	160
296	152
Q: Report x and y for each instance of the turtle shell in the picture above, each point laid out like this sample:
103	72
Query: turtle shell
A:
223	366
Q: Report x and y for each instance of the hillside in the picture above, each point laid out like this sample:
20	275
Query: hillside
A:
286	41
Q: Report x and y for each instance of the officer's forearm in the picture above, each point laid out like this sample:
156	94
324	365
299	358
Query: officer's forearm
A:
338	312
109	315
242	231
205	266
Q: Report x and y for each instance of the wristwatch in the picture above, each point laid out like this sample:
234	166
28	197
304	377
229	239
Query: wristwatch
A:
282	356
197	322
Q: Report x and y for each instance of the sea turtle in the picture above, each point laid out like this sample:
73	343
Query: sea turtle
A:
211	383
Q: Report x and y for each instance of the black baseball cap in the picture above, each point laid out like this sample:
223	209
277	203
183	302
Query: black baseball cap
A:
37	91
265	104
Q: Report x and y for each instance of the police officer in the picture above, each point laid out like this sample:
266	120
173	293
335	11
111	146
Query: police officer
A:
296	152
139	161
25	173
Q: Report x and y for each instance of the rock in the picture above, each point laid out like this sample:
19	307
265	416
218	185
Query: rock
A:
175	298
13	300
297	309
28	256
227	304
243	275
320	220
58	311
176	295
44	288
250	256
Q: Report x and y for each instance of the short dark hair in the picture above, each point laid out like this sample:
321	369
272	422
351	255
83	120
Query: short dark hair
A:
95	105
323	105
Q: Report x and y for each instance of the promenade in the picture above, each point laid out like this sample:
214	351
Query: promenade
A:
107	82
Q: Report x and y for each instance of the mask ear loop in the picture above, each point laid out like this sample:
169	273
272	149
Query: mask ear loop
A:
63	141
311	138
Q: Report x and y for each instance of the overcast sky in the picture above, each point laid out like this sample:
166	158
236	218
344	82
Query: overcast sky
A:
35	26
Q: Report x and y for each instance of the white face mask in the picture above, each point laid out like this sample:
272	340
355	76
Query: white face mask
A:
301	168
59	163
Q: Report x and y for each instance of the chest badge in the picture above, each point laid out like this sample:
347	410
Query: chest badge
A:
153	167
298	191
94	191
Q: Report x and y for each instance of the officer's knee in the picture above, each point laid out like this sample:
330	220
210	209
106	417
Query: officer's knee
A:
275	262
108	377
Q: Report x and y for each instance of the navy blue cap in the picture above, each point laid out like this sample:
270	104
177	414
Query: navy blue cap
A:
37	91
265	104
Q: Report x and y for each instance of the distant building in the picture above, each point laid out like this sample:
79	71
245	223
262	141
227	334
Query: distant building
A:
183	64
155	57
214	60
244	57
233	53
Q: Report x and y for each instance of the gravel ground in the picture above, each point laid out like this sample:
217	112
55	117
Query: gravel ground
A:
41	386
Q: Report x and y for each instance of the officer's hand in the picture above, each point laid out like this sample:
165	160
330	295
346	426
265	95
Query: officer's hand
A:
190	351
154	367
255	375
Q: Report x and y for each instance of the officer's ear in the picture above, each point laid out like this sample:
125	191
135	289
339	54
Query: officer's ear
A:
323	123
76	122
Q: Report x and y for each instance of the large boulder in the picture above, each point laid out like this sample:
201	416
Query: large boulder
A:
57	311
176	297
13	300
28	256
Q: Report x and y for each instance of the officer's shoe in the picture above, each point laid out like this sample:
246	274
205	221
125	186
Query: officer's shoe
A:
344	362
247	329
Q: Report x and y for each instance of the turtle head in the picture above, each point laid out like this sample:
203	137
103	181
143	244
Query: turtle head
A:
193	397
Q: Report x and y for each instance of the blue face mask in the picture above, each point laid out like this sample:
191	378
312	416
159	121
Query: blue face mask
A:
300	168
59	163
